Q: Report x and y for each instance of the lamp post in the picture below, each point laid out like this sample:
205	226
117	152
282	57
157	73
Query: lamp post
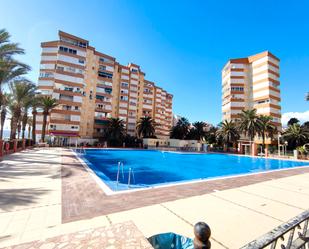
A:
279	136
285	147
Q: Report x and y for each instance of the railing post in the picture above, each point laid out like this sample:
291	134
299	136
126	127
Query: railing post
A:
202	234
1	147
24	144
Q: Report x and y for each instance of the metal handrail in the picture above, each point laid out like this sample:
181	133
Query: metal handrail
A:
283	235
120	165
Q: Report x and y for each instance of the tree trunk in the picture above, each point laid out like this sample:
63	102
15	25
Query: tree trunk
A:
29	131
2	120
34	112
24	123
13	128
18	129
44	126
263	141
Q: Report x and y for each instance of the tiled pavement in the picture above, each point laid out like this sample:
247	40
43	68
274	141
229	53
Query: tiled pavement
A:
237	209
123	235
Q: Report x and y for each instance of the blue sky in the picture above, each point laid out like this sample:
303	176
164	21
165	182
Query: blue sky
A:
180	45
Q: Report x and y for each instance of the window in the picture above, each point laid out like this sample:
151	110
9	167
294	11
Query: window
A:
102	59
82	44
46	75
263	101
147	101
60	68
147	91
105	75
100	97
67	50
68	89
63	49
76	108
134	70
67	107
102	67
70	69
108	90
238	89
124	84
124	98
81	61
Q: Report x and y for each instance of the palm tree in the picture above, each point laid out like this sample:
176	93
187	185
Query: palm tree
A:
197	132
8	49
36	102
4	101
146	127
115	131
47	104
9	67
249	123
267	129
10	70
181	129
211	135
228	132
296	135
307	97
293	121
24	120
22	90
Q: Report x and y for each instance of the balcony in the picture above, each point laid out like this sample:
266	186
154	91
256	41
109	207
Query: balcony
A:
66	97
105	74
104	90
68	92
104	84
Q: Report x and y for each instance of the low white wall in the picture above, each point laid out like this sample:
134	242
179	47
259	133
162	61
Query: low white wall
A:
173	143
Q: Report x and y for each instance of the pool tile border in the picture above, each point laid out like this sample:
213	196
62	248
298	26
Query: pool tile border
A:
83	198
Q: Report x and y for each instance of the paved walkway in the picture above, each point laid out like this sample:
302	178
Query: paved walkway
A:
236	215
30	194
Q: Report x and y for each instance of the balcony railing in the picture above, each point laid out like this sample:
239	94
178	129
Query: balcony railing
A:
292	234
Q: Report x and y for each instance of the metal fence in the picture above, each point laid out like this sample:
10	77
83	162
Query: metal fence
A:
293	234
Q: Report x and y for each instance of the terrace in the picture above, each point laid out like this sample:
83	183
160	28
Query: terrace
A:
48	198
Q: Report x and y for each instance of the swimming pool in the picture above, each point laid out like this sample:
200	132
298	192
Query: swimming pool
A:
147	168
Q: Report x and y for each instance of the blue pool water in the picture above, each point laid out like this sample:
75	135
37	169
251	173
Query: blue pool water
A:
151	168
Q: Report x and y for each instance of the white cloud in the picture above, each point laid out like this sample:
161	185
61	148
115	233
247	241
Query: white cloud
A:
301	116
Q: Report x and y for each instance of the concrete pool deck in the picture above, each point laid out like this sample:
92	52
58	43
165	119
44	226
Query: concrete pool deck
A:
46	193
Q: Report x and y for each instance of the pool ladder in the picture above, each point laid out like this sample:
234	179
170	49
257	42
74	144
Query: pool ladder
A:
131	173
120	165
